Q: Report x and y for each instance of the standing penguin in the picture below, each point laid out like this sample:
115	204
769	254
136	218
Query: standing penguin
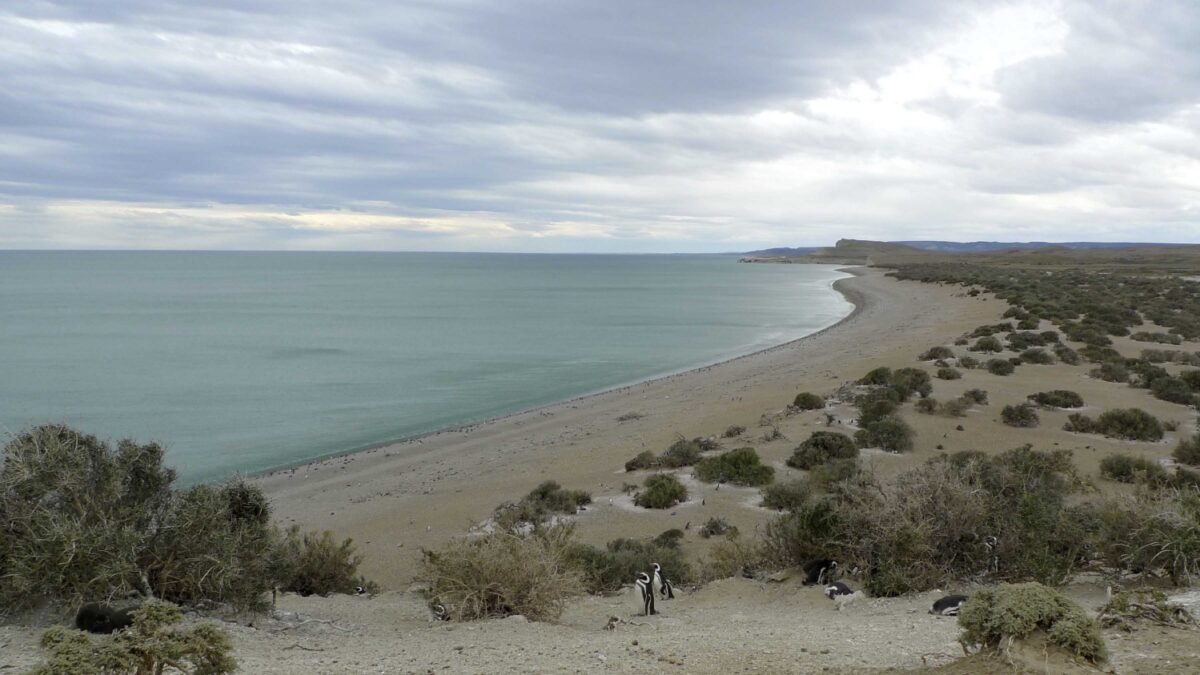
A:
646	591
662	584
819	572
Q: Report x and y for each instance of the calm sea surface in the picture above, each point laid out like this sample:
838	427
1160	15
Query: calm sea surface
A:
246	361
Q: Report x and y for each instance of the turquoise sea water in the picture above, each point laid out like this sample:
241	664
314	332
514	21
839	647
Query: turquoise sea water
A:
246	361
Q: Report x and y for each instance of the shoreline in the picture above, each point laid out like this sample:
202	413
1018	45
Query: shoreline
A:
398	498
856	299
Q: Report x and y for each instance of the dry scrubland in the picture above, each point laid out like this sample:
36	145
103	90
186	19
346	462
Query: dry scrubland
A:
429	493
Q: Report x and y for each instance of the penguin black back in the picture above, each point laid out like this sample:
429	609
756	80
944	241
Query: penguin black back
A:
819	571
95	617
948	606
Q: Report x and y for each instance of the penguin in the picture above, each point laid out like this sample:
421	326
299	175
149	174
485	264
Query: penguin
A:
837	588
95	617
819	571
646	591
359	590
439	611
663	584
948	606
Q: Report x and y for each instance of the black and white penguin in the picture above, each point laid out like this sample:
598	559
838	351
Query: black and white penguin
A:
819	571
662	584
439	611
646	592
98	618
948	606
837	588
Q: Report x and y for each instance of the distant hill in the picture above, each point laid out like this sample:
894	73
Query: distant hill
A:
955	246
844	252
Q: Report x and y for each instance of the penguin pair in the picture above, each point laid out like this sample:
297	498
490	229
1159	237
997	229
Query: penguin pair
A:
647	586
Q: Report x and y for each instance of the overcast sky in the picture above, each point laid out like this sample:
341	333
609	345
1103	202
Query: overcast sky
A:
556	125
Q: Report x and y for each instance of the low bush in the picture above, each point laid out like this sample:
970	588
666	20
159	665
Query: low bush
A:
1128	469
716	527
1188	451
948	374
808	401
987	345
927	406
1057	398
610	568
734	430
543	502
821	447
935	353
740	467
662	491
876	404
909	381
878	377
1097	354
976	396
502	574
786	495
1000	367
955	408
968	362
317	564
1131	424
1192	379
643	460
681	453
839	470
1037	355
889	433
1127	609
1024	340
1111	371
1066	354
1173	390
1049	337
152	644
992	617
1152	532
1160	338
671	538
1023	415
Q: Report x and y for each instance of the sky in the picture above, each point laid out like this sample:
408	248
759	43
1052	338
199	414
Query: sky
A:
605	126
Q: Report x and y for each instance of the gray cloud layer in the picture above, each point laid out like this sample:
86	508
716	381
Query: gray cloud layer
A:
617	126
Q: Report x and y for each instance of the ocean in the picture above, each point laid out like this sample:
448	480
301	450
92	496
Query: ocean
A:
241	362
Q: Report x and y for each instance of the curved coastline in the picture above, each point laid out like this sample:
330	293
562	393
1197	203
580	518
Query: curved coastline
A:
845	286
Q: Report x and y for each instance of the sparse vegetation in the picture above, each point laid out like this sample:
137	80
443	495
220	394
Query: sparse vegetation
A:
734	430
151	645
1022	415
740	467
821	447
1128	609
994	616
662	491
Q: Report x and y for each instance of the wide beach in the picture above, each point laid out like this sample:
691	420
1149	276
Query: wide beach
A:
395	500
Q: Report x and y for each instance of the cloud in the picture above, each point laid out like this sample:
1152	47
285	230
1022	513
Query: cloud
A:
622	126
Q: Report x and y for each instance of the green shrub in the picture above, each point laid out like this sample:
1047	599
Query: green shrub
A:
976	396
1188	451
1000	367
881	376
948	374
1172	389
152	644
1023	415
1066	355
993	616
543	502
837	470
502	574
643	460
1111	371
84	520
1192	379
909	381
968	362
927	405
889	433
987	345
1151	532
740	467
1049	337
716	527
786	495
1160	338
681	453
821	447
614	566
1037	355
1131	424
1024	340
1128	469
808	401
734	430
317	564
662	491
954	408
935	353
876	404
1081	424
1097	354
1058	398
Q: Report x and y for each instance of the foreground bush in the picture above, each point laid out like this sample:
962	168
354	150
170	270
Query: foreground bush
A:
994	616
1152	532
786	495
1131	424
889	433
502	574
821	447
1128	469
317	564
808	401
1058	398
86	521
1022	415
150	646
740	467
662	491
615	566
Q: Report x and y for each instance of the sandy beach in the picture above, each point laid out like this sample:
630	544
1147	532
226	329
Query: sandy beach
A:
396	499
